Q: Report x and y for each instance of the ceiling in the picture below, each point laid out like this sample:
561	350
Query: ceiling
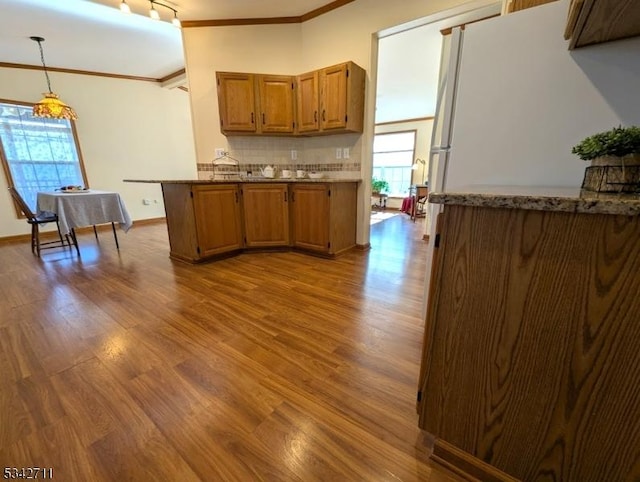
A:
95	35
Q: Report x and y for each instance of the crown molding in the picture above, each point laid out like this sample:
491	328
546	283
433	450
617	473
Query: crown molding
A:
161	80
266	21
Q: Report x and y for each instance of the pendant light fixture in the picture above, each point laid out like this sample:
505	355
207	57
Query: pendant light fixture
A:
51	106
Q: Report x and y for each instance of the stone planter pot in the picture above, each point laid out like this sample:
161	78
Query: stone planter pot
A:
613	174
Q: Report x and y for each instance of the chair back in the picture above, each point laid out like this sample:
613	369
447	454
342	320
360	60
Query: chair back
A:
24	207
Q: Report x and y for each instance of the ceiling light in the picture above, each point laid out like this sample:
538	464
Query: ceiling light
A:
124	7
153	13
176	20
51	106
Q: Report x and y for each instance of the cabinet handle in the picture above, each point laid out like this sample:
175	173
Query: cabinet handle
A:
285	196
263	118
252	118
315	116
324	117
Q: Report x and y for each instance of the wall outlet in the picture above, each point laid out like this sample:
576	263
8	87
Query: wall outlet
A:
338	153
219	152
294	154
146	202
345	153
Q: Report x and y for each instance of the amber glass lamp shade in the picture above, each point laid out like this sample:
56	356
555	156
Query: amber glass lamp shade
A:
53	108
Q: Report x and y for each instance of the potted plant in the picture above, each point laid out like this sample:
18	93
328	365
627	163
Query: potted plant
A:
378	185
615	160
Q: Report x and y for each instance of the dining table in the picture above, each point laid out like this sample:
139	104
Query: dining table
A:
89	207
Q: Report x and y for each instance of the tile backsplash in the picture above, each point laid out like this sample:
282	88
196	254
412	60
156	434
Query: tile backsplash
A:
312	154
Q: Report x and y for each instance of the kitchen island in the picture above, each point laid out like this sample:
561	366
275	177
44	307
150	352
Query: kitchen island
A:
212	219
531	356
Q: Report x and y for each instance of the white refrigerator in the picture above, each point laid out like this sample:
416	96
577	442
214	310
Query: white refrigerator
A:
514	100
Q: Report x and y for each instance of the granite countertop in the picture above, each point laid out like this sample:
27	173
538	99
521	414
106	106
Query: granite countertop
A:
240	181
558	199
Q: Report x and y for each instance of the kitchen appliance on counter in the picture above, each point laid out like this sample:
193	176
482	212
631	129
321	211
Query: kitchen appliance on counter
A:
226	168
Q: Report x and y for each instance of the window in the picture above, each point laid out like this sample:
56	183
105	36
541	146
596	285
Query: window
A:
38	154
392	160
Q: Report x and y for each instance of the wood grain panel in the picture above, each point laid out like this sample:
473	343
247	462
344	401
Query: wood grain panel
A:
515	5
181	221
534	363
342	224
308	102
218	218
606	20
266	215
310	216
276	94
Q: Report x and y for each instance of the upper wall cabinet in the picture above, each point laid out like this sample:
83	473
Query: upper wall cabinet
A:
325	101
236	101
331	100
255	104
597	21
515	5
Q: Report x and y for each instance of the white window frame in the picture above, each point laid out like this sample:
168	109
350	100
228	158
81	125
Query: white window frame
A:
53	128
390	173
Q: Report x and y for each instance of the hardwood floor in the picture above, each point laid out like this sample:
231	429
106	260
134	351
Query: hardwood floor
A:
267	366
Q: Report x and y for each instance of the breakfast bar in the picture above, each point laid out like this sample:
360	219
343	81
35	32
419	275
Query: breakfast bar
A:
531	355
212	219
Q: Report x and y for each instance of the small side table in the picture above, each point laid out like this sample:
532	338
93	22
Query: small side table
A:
382	200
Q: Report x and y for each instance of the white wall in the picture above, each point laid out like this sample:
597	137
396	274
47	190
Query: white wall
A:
524	99
127	130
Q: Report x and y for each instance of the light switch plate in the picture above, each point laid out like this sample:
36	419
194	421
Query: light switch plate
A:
345	153
294	154
338	153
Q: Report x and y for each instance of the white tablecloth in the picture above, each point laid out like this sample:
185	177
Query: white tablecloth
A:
86	208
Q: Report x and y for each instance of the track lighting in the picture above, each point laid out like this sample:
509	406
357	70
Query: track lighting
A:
153	13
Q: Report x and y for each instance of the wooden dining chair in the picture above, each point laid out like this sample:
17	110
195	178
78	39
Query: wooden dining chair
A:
43	217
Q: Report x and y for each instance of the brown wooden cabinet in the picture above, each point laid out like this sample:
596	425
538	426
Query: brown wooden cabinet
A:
516	5
266	215
202	220
323	217
255	104
206	221
325	101
342	98
236	102
596	21
531	345
331	100
308	102
276	100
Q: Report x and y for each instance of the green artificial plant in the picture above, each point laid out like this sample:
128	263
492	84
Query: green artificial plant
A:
619	141
379	185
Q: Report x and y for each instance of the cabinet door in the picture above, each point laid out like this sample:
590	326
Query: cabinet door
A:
217	214
310	212
266	215
333	95
276	103
236	102
308	102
